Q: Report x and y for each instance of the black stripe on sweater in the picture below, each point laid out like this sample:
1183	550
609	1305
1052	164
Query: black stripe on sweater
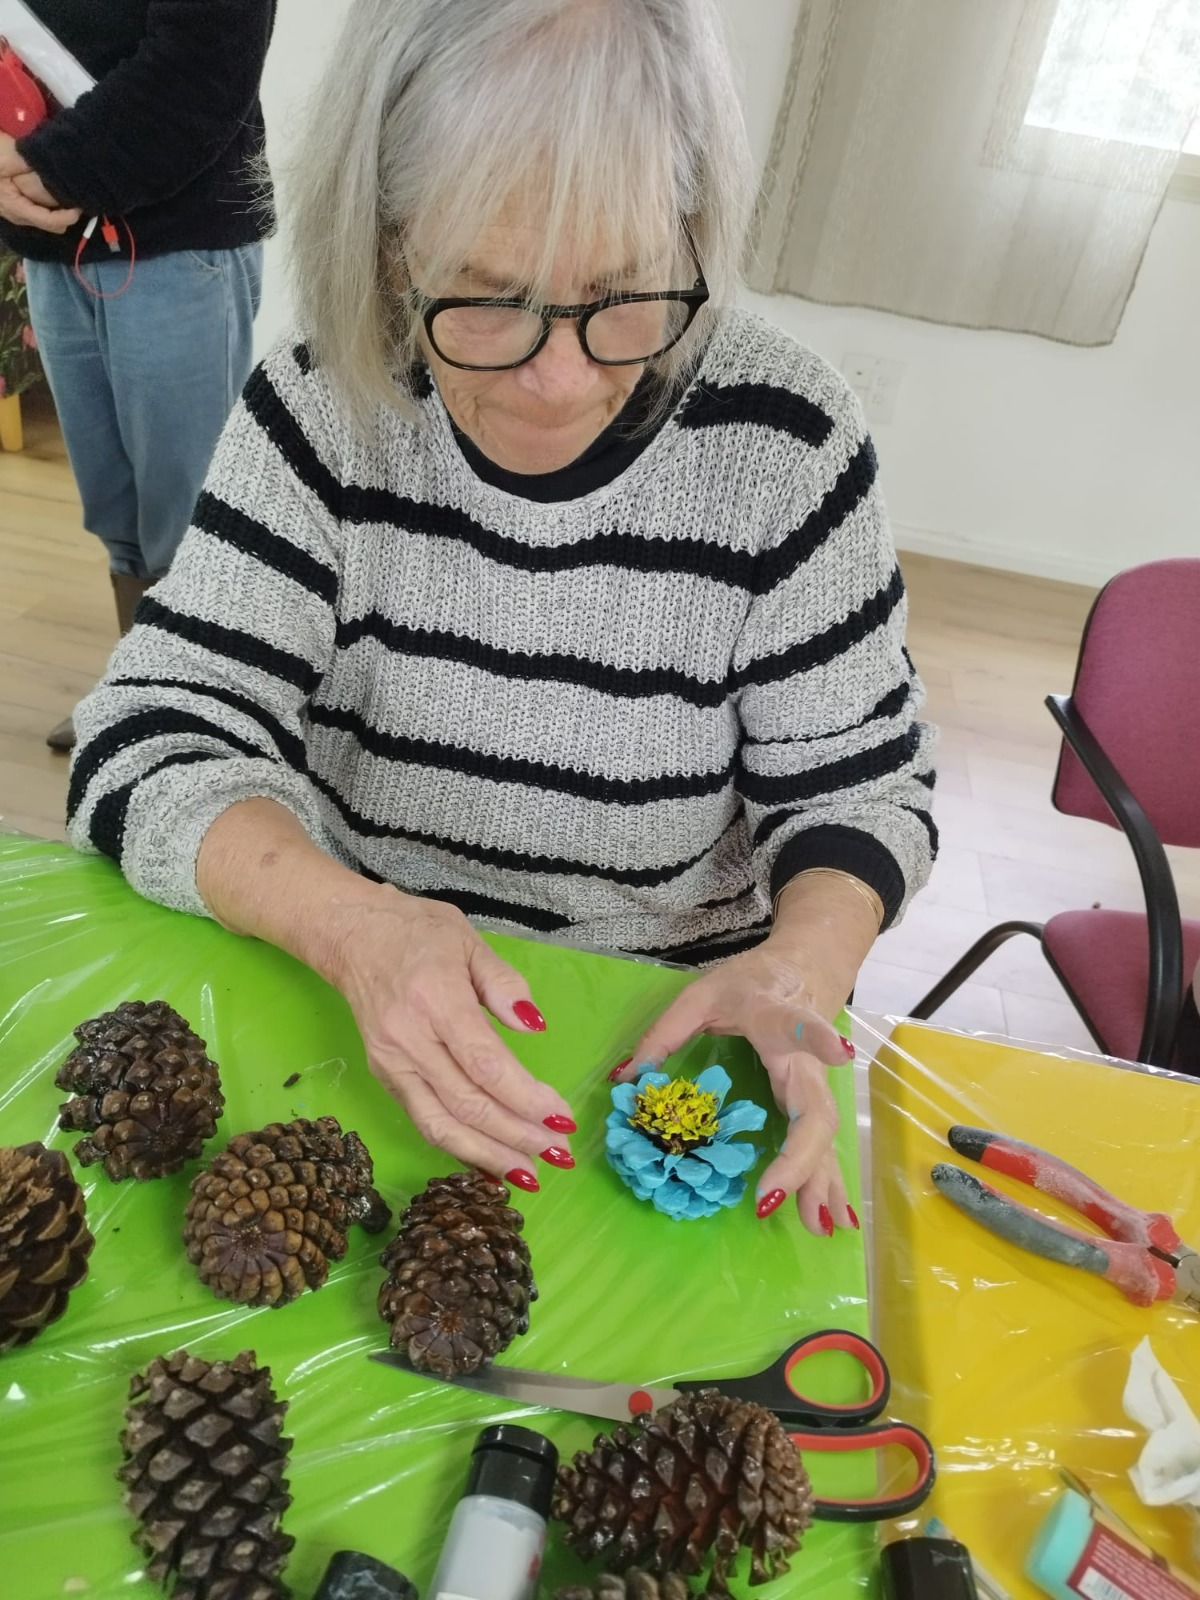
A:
850	489
289	745
925	818
629	683
262	401
515	769
292	751
235	528
483	906
716	948
486	909
717	405
890	706
355	503
822	648
510	860
232	643
136	729
850	772
106	829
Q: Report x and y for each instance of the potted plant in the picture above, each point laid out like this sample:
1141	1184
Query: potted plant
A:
20	368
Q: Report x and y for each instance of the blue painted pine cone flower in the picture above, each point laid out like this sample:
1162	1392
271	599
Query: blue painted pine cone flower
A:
670	1140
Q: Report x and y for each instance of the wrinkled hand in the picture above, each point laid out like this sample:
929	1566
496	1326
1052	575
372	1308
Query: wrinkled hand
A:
24	198
416	975
32	187
11	160
767	999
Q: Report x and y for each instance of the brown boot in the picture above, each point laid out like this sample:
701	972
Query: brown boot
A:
127	591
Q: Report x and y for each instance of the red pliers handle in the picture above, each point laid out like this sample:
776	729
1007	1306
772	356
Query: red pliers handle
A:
1051	1175
1140	1253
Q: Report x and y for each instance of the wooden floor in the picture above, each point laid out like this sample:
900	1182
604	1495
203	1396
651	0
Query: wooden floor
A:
989	645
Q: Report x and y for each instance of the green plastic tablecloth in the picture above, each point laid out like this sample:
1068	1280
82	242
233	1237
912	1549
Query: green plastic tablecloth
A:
379	1457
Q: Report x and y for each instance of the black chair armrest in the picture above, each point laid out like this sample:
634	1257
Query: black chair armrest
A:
1162	902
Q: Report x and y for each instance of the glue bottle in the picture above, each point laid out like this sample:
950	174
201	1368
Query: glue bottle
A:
493	1550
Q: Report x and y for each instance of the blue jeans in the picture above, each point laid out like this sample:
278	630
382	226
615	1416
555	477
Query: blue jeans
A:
143	385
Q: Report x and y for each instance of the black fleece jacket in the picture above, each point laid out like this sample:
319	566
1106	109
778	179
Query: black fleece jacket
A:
170	137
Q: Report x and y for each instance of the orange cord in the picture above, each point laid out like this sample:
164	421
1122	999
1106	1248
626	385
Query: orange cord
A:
108	231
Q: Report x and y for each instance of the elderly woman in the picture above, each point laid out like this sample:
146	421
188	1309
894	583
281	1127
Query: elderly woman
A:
533	583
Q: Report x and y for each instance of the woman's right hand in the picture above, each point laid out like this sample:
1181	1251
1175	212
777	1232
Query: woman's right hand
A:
418	978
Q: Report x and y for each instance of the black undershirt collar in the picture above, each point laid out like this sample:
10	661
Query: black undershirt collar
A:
606	458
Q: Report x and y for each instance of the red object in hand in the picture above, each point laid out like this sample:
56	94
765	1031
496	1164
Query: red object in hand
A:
22	104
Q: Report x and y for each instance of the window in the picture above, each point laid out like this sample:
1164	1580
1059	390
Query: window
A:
1094	81
1123	70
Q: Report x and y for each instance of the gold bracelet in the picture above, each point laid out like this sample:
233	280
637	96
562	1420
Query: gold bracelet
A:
869	895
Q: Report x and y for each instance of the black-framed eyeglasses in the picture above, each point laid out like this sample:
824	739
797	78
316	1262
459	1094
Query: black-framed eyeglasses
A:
494	333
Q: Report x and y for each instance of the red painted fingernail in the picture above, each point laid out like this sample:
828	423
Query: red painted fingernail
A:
771	1202
824	1217
525	1011
557	1157
491	1177
560	1124
850	1050
520	1179
619	1069
854	1216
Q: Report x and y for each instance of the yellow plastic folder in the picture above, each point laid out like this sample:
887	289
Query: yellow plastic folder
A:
1012	1364
379	1456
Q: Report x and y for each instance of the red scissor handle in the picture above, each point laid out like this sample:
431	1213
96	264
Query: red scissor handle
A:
1053	1176
875	1509
776	1386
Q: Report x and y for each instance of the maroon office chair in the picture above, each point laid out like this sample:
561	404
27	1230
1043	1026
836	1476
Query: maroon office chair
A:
1131	759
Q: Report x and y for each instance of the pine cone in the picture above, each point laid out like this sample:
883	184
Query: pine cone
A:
459	1282
707	1473
633	1586
44	1240
144	1089
270	1214
203	1475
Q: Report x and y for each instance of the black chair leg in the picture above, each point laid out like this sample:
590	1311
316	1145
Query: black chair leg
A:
966	965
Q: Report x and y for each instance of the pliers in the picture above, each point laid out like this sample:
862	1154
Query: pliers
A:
1148	1262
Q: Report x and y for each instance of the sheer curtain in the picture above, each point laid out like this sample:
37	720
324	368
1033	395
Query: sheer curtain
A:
989	163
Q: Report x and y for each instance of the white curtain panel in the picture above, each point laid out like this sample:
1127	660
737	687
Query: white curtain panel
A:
986	163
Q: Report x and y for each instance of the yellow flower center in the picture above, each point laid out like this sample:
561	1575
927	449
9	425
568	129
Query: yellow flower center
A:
676	1115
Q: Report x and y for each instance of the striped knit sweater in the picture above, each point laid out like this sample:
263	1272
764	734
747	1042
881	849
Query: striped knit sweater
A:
627	719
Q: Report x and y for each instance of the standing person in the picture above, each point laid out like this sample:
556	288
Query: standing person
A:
145	327
536	582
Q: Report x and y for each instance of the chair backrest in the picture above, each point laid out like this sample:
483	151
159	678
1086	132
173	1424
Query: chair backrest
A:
1137	686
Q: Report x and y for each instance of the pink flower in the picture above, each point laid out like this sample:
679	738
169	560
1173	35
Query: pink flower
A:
28	338
19	272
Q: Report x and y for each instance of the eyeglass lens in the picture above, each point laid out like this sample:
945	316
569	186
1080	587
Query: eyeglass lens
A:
497	336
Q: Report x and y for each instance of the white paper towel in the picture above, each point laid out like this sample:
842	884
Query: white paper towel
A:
1168	1470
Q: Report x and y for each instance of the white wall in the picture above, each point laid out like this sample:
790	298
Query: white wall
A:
1006	450
305	32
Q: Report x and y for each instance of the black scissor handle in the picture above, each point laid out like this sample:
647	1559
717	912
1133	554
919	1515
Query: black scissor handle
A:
873	1438
775	1387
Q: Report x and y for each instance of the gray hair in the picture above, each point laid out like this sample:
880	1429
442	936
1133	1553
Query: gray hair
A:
620	115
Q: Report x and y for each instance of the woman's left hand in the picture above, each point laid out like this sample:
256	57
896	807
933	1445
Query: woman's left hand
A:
768	997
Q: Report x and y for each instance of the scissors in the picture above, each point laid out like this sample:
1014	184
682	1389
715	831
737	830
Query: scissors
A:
812	1424
1142	1254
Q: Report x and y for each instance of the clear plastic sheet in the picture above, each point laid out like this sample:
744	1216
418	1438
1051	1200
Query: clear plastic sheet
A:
1013	1365
379	1457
